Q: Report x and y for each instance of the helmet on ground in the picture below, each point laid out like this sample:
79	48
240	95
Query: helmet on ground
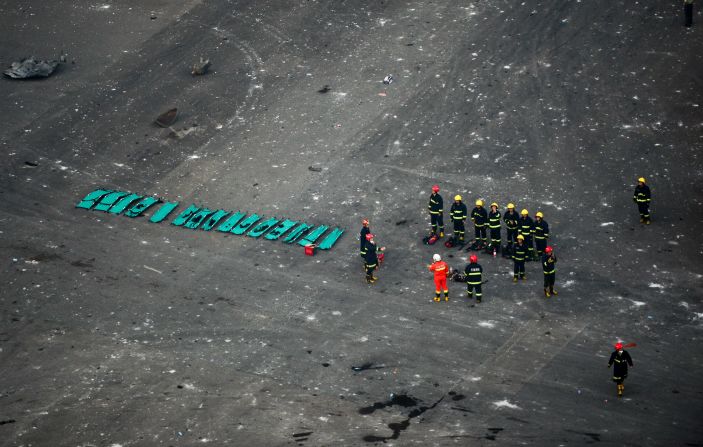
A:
436	257
548	250
511	206
473	258
435	188
494	204
365	222
520	237
479	202
369	237
618	346
539	214
457	197
641	180
524	212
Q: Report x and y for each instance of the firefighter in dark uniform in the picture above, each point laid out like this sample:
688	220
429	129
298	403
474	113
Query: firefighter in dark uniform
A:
511	218
473	273
642	198
459	214
519	255
541	233
362	237
436	208
494	226
479	217
549	264
621	359
526	228
371	258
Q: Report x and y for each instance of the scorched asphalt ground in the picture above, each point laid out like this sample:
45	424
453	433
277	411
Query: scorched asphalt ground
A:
120	332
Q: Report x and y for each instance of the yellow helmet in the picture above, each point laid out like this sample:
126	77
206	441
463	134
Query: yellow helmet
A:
494	204
457	197
479	202
524	212
539	214
521	237
641	180
511	206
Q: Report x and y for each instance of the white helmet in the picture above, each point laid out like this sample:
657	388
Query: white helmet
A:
436	258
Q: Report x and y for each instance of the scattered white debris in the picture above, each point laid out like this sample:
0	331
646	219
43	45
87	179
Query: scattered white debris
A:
474	379
569	283
324	418
475	155
153	269
32	261
311	317
336	313
655	285
606	224
638	303
488	324
683	304
171	371
505	403
193	157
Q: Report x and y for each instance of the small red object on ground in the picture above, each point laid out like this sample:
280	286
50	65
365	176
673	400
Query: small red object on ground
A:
310	250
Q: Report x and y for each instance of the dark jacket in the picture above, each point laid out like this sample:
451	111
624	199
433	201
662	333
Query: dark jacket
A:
642	194
621	361
473	273
519	252
511	219
371	257
436	204
479	216
458	212
541	229
362	239
549	264
494	219
526	227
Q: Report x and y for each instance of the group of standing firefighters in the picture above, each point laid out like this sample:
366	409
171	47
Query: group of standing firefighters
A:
521	229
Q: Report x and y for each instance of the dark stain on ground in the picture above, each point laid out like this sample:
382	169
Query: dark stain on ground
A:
7	421
398	427
458	397
302	436
401	400
365	366
513	418
325	364
324	89
465	410
594	436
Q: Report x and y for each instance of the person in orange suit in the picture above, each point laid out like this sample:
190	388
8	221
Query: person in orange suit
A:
441	270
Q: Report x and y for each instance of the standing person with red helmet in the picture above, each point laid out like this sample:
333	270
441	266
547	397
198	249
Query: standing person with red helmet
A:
440	270
549	262
436	208
372	258
473	272
621	359
362	237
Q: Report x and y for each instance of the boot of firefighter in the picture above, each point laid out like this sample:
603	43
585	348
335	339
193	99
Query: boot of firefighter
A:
546	292
446	295
436	296
551	289
515	278
621	389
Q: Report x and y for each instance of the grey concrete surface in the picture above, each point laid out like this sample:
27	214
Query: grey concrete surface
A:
121	332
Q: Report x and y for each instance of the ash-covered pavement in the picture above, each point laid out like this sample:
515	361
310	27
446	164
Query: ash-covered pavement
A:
121	332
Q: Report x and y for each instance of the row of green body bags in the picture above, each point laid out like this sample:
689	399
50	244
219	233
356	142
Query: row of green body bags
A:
195	217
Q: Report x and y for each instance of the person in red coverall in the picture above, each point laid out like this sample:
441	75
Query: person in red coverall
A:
441	270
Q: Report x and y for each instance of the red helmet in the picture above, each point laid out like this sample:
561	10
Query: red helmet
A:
435	188
548	250
473	258
369	237
618	346
365	222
